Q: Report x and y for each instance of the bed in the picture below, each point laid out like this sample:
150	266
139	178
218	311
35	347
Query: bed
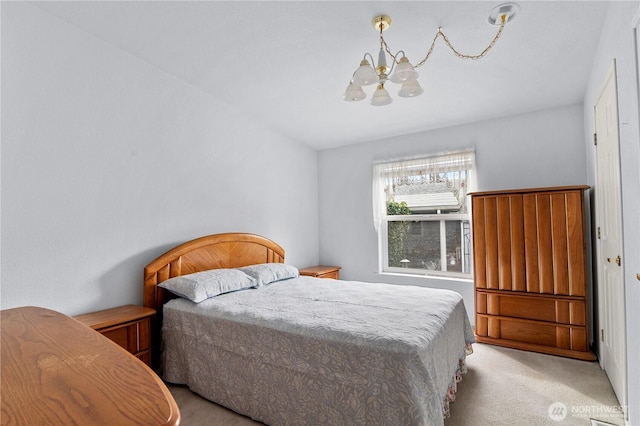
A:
292	349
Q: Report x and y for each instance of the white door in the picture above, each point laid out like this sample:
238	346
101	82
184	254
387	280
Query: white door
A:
610	264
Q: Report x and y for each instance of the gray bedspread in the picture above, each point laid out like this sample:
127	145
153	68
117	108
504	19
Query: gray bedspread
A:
320	351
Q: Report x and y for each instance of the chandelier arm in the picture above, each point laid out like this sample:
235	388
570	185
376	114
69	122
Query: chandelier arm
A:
371	58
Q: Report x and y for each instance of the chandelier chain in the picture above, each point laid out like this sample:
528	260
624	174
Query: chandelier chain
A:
440	33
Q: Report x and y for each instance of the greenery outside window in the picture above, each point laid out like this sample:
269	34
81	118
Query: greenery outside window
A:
421	214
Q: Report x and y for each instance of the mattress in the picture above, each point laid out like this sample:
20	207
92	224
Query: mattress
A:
321	351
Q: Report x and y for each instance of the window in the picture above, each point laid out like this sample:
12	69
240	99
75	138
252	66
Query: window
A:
421	214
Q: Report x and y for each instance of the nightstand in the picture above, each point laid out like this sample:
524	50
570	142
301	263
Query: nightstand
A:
322	271
129	326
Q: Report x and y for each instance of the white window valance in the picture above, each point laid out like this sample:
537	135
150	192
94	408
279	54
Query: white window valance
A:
430	183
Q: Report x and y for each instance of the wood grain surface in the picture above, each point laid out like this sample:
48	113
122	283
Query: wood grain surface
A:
530	270
55	370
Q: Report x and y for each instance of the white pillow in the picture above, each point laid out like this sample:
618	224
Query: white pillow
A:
267	273
200	286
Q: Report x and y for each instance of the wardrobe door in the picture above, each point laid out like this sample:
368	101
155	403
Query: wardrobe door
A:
554	243
499	243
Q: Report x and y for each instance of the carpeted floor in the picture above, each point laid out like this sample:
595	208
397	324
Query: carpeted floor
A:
503	387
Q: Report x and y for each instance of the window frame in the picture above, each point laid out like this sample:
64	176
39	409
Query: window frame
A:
402	172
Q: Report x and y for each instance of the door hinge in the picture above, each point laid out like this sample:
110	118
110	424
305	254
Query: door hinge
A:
598	232
602	335
595	139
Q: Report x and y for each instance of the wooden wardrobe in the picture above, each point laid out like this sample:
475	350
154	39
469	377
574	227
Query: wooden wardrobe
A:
530	270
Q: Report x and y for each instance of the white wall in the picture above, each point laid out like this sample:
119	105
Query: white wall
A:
538	149
108	161
617	42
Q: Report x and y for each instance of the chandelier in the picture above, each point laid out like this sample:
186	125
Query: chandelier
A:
401	71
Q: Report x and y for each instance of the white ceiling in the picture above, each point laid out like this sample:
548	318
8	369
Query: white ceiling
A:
287	63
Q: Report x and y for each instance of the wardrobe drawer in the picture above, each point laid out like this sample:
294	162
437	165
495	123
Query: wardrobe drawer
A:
533	307
533	332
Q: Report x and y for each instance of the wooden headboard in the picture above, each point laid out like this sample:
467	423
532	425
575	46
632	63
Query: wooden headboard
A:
230	250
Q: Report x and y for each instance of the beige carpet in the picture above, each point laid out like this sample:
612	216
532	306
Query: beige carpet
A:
503	387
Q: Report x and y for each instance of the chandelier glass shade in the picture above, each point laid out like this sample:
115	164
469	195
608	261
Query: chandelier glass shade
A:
381	96
364	75
401	70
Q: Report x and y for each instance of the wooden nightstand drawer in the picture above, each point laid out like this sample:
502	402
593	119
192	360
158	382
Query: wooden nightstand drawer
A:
322	271
128	326
123	336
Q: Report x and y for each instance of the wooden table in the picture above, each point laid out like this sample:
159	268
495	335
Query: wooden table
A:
56	370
